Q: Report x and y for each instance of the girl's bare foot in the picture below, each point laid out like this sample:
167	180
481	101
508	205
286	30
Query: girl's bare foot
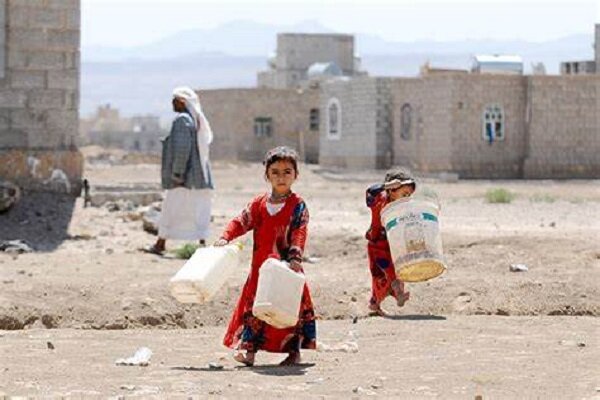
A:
246	359
402	298
291	359
399	293
376	310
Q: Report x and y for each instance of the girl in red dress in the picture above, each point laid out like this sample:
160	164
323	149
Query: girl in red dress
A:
279	221
397	184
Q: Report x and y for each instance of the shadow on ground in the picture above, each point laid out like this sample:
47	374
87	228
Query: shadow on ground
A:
40	219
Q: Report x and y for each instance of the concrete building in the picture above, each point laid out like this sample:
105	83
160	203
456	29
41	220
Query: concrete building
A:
479	126
39	94
497	64
248	122
107	128
297	53
577	67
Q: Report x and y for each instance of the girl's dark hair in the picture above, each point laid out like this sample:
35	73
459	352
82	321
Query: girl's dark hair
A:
401	175
281	153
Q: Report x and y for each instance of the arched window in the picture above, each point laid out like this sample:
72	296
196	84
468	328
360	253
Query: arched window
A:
334	119
405	121
493	123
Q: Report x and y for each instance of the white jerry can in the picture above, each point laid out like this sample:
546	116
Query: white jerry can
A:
279	294
204	273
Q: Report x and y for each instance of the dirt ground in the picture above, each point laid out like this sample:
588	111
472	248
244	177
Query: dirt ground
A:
477	329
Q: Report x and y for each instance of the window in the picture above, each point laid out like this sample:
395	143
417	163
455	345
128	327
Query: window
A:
334	117
263	126
493	123
405	121
314	119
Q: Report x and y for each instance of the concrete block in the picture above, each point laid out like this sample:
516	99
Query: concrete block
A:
46	18
46	99
27	79
16	58
28	39
45	60
13	99
13	138
25	119
63	123
63	79
65	40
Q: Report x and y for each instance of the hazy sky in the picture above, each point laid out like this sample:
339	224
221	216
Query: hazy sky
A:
134	22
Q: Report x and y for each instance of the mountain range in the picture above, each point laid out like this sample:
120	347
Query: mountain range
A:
139	80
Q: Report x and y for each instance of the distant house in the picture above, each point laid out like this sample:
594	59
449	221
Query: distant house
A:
497	64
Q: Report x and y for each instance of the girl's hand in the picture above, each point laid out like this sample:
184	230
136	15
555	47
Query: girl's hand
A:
295	266
220	242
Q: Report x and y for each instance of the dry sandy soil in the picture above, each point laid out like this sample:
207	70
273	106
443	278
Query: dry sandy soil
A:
477	330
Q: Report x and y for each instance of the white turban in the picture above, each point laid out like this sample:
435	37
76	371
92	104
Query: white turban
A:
204	132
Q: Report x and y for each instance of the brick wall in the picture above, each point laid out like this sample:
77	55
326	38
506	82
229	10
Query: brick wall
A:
39	94
232	112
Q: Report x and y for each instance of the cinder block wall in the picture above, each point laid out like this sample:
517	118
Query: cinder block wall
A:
472	155
597	48
39	94
357	146
231	113
564	127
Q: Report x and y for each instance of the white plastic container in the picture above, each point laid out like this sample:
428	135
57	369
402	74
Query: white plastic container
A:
413	233
279	294
204	273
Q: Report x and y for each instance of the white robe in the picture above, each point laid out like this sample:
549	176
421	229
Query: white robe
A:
185	214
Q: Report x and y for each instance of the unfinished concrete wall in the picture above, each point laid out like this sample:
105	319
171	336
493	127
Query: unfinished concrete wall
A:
356	145
564	127
39	95
233	114
423	122
296	52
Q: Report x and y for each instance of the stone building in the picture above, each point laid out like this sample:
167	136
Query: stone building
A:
479	126
297	53
107	128
248	122
39	94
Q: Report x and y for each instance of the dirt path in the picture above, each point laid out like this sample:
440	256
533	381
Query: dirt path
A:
456	357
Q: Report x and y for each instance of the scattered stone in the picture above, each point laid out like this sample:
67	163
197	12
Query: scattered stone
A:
109	251
50	345
150	221
363	391
140	358
10	194
215	366
518	268
552	225
15	247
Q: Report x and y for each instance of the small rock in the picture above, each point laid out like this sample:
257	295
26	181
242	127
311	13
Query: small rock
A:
552	225
109	251
518	268
50	345
15	247
215	366
127	387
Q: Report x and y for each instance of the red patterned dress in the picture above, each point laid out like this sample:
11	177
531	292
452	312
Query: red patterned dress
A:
381	265
280	236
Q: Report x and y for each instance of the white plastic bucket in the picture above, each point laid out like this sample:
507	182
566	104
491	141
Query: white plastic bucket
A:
413	232
279	294
204	273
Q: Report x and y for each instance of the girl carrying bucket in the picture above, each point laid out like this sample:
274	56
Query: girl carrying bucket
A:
397	184
279	221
